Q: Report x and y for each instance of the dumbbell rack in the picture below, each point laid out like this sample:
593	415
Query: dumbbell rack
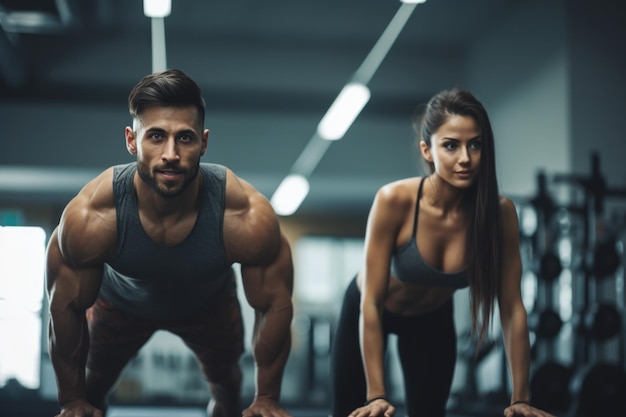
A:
550	377
598	386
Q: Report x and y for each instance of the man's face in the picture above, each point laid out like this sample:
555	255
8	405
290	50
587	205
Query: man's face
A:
169	143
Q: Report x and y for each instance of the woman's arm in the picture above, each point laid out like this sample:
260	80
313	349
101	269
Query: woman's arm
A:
513	316
386	217
512	310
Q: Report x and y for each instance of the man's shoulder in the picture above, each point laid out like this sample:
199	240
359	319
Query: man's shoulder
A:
241	195
98	193
88	226
249	217
94	202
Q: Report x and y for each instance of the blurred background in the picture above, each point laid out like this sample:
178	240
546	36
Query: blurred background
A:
550	73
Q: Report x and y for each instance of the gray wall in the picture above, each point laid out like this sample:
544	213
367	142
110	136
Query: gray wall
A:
597	86
521	74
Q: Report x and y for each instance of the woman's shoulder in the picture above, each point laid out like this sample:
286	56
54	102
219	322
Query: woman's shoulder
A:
401	187
507	206
508	214
399	193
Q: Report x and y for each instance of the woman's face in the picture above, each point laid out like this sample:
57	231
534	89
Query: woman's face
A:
455	151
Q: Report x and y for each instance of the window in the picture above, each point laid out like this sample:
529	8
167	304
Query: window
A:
324	266
22	253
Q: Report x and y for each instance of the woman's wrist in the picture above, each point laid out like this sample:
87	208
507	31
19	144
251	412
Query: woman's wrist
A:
527	402
374	398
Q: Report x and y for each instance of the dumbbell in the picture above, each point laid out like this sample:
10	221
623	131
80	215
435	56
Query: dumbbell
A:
548	267
600	390
545	324
600	321
550	387
606	259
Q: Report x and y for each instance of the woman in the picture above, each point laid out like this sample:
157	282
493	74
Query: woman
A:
427	237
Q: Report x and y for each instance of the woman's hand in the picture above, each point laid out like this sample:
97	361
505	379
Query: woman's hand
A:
525	410
378	408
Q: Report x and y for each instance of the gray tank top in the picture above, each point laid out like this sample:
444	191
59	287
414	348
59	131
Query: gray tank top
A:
156	281
408	265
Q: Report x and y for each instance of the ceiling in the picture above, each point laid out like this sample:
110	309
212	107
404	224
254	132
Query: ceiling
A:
269	71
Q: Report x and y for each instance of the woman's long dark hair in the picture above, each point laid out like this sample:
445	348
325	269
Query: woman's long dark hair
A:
483	242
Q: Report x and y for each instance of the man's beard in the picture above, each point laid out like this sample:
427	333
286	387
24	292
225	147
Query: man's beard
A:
149	177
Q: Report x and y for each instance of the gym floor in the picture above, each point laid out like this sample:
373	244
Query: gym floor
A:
49	409
195	412
28	403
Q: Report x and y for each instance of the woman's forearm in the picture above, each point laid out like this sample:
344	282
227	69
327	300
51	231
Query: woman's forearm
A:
517	347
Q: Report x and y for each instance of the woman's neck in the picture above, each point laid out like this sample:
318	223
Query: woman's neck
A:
443	196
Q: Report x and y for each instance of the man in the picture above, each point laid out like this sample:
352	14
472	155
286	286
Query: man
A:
149	246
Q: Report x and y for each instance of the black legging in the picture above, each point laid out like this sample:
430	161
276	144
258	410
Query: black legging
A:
426	349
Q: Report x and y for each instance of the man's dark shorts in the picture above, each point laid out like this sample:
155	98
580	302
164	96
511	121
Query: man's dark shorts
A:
215	335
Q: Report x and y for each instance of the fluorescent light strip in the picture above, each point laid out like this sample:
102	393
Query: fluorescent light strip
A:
311	156
344	110
286	202
159	57
290	194
373	60
157	8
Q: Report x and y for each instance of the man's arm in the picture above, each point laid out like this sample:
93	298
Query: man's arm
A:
268	290
253	239
74	261
71	291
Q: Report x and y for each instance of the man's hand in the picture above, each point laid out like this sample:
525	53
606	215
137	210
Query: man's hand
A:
265	407
79	408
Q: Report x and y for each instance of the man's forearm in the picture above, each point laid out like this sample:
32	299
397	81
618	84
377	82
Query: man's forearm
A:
272	344
68	346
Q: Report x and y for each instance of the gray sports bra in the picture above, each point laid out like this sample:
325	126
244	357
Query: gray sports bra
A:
408	265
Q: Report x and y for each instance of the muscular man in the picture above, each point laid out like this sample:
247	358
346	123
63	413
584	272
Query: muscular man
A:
149	246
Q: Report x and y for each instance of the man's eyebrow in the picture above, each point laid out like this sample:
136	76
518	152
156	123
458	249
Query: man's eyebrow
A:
187	132
155	129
